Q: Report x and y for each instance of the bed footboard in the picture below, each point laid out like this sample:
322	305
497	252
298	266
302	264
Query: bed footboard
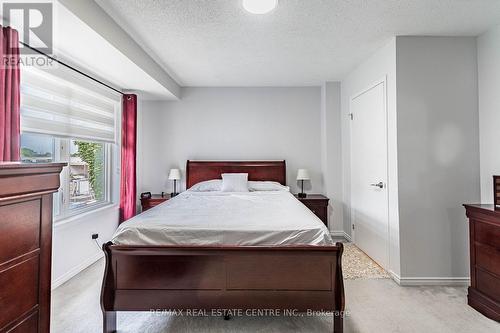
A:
216	279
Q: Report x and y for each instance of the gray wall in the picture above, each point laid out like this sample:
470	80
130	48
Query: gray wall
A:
488	48
438	152
231	124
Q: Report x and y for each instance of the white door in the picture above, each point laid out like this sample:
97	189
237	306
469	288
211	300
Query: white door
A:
369	196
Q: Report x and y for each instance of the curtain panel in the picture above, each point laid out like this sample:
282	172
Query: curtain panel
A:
9	95
128	158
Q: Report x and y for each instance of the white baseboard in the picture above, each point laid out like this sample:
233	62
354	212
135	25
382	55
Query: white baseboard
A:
68	275
340	233
395	277
337	233
430	281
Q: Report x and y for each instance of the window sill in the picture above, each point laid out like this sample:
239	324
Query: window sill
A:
96	209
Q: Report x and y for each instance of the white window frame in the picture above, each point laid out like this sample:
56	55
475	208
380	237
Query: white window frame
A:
62	197
62	212
62	209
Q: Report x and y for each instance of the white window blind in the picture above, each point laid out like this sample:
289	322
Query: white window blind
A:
67	107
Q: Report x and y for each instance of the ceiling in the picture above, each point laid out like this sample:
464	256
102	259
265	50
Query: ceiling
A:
217	43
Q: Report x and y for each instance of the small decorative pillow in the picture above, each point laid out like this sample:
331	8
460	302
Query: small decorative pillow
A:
207	186
234	182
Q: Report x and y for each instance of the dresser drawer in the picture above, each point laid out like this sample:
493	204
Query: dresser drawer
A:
155	200
20	229
487	234
318	204
488	257
18	290
152	204
28	325
321	211
488	284
10	186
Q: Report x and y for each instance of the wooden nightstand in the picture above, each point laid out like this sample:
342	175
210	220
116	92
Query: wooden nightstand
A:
318	204
155	200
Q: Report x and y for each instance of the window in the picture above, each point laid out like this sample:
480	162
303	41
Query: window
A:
85	182
87	170
64	121
37	148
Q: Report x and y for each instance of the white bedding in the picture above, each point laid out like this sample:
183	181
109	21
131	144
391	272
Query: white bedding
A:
263	218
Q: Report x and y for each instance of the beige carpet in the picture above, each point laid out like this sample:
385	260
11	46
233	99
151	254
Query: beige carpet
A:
373	305
357	265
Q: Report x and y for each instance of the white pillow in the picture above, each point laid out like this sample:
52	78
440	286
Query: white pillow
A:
234	182
207	186
267	186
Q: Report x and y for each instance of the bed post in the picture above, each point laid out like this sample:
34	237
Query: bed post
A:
338	313
109	322
107	293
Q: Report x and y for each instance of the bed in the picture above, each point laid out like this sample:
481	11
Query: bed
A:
189	254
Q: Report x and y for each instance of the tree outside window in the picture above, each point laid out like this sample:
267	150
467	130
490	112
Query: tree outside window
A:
87	172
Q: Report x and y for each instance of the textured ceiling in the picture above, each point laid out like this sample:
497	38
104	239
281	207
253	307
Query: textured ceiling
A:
302	42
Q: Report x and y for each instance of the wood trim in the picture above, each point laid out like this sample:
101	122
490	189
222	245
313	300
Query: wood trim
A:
496	191
12	168
484	304
198	171
45	262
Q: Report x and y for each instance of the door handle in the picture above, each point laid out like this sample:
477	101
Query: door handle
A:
379	185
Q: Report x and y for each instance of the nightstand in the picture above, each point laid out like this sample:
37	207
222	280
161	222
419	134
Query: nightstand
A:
318	204
155	200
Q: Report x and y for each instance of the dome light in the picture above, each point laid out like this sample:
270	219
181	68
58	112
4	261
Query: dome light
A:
259	6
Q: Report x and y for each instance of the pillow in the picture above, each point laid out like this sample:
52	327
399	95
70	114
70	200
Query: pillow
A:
234	182
267	186
207	186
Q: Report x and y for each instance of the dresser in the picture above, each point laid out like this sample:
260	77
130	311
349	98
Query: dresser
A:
25	245
318	204
484	236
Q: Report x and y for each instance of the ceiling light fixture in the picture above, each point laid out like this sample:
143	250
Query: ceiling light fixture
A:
259	6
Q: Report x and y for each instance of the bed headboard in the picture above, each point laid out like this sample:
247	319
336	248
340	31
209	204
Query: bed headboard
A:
198	171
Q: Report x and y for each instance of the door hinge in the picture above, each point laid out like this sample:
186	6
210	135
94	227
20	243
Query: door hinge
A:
351	115
353	227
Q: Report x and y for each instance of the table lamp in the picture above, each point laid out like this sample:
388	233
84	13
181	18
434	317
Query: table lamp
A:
302	174
175	175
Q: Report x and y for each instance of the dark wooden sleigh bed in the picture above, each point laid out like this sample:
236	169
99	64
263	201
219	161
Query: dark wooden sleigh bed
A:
223	279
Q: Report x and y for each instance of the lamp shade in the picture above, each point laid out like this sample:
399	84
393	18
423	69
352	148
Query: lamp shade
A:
303	174
174	174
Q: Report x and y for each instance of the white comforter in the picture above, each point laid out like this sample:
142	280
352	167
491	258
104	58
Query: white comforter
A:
266	218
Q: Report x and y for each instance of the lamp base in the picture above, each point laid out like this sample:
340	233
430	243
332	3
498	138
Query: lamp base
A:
173	194
302	195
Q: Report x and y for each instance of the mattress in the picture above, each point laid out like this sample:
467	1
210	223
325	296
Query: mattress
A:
261	218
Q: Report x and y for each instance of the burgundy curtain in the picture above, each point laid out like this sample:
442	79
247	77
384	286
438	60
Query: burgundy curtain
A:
128	156
9	95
